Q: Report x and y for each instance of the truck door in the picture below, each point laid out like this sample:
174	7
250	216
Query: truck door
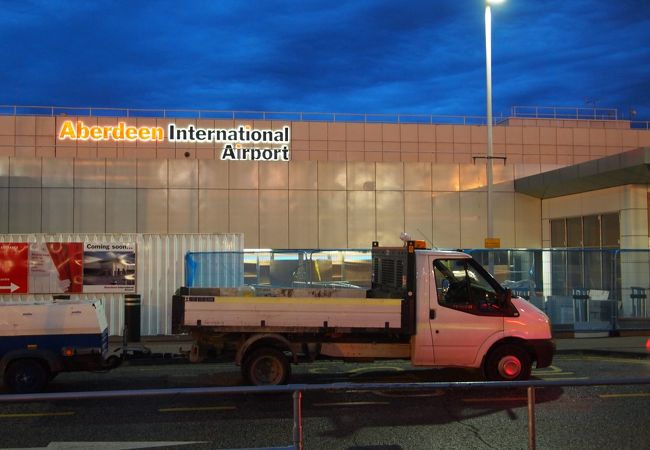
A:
465	309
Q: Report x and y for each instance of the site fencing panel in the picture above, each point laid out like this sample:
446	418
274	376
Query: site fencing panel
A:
579	289
306	268
159	272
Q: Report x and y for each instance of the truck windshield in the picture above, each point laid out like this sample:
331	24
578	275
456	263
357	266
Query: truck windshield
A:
464	284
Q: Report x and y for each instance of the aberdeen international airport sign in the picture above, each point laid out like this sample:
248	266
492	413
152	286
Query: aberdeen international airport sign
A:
243	143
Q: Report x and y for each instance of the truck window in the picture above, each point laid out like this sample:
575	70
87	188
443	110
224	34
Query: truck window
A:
461	284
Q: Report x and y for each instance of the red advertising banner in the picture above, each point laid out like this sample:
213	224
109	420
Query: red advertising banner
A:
14	267
56	267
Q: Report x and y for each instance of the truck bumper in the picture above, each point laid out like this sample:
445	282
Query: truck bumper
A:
543	350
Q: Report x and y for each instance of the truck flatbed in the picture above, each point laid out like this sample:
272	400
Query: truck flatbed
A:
295	313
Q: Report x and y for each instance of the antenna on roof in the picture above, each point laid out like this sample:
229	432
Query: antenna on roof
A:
426	238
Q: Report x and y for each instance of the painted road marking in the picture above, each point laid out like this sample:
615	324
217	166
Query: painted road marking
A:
494	399
112	445
568	378
609	359
35	414
638	394
436	393
351	404
364	370
198	408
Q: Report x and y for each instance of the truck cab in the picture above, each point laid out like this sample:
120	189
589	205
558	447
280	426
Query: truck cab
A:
462	315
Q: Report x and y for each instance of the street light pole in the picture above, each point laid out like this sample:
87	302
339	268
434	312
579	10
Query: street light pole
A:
490	152
488	82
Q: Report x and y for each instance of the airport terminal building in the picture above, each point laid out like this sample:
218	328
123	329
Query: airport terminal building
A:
562	179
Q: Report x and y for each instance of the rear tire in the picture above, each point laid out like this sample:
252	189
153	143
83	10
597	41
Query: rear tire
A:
26	376
508	363
266	367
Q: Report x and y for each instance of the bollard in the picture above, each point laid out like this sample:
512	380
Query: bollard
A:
132	318
297	420
531	418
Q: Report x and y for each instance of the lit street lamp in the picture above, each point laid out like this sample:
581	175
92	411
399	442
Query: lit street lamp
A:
488	77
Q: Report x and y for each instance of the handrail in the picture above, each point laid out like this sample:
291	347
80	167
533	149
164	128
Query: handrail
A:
300	116
517	112
297	389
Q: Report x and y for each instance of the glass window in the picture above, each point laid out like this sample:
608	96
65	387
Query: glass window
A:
574	232
460	284
591	230
610	230
558	233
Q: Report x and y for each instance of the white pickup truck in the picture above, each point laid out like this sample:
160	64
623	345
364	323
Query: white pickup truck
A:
40	340
434	308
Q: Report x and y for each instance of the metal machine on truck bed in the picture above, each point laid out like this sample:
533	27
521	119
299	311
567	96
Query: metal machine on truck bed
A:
435	308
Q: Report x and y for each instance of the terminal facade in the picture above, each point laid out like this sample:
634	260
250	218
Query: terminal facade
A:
287	183
345	185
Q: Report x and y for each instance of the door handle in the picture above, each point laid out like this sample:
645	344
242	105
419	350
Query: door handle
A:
432	314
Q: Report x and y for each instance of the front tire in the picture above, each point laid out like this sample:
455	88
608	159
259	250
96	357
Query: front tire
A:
266	367
26	376
508	363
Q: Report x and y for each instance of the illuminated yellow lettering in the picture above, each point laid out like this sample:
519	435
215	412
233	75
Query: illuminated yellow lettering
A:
118	132
67	131
83	132
131	134
121	132
159	134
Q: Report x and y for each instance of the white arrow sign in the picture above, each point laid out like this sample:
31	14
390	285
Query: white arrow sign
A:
13	287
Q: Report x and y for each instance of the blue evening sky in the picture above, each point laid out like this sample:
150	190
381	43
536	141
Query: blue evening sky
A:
363	56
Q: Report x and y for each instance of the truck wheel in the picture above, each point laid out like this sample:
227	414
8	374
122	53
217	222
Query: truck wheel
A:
26	376
508	363
266	366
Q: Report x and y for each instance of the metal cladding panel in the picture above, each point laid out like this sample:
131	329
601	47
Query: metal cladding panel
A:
58	173
4	171
418	216
332	219
89	210
390	176
121	216
152	174
121	174
25	172
25	207
90	173
361	218
183	210
152	210
213	211
57	210
213	174
4	210
160	272
389	225
183	173
274	219
303	218
243	211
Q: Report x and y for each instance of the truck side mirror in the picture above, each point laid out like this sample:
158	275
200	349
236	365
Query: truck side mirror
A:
506	297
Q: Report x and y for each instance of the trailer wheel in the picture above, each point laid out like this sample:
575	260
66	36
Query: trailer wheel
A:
508	363
266	366
25	376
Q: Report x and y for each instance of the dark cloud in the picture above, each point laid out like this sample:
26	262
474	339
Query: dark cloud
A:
378	56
